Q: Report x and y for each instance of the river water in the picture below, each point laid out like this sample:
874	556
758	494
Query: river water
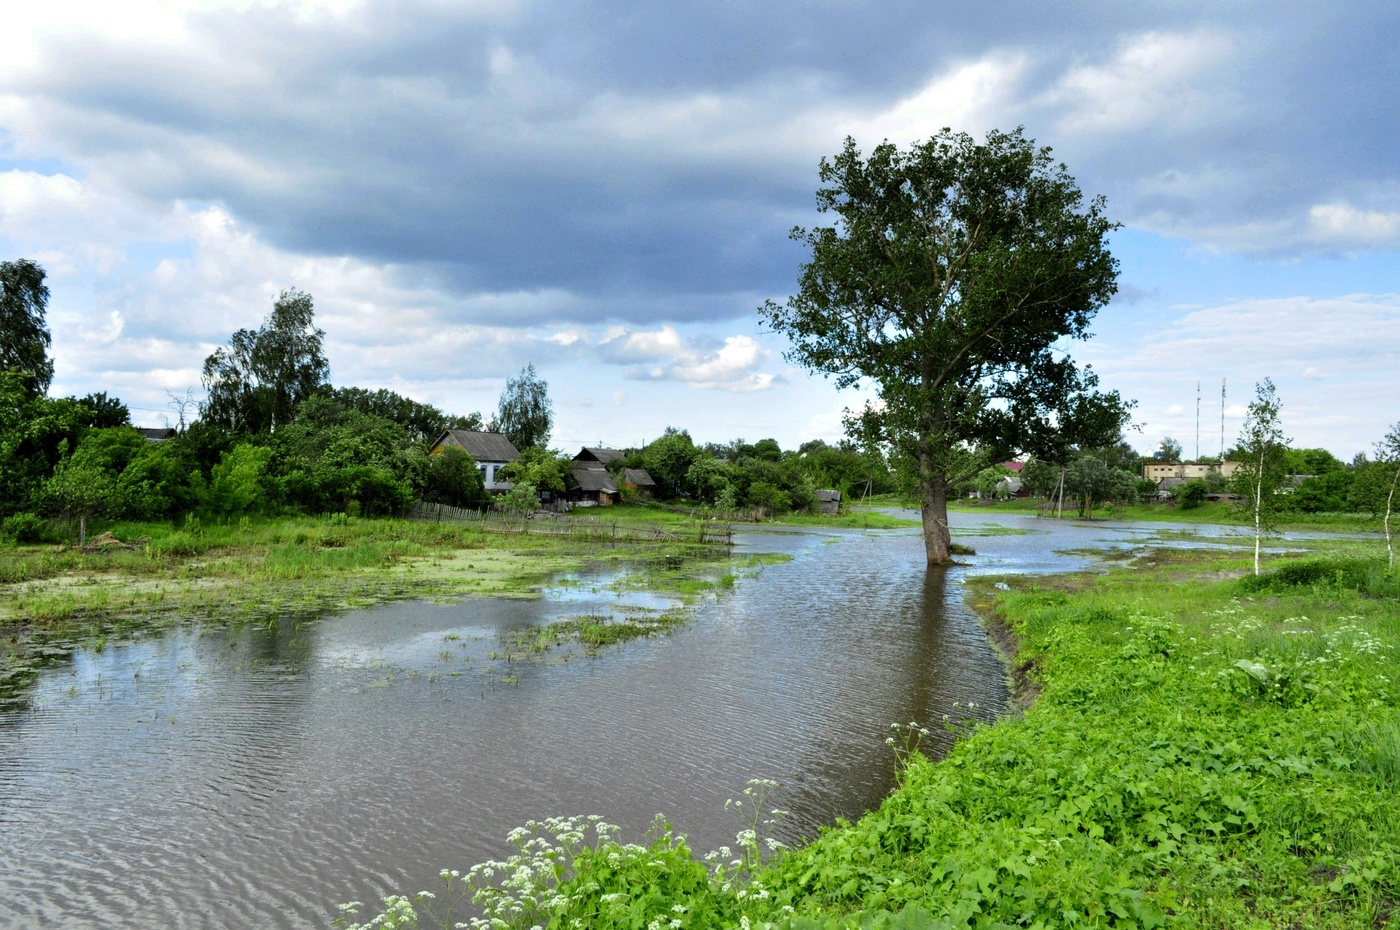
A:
256	777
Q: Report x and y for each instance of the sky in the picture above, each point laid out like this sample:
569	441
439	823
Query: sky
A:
605	190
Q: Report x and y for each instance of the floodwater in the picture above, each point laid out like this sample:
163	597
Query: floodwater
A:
257	777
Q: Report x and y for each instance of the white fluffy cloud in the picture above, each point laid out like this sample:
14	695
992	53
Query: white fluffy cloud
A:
663	355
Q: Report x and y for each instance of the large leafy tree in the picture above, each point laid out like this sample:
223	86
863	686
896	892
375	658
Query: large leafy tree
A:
24	338
256	382
525	413
954	273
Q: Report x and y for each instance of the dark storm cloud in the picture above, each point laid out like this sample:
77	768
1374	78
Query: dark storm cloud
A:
628	151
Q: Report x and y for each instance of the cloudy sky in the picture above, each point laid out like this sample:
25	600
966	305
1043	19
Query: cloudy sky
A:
605	190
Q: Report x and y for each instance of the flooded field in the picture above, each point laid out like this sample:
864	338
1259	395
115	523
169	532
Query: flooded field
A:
258	776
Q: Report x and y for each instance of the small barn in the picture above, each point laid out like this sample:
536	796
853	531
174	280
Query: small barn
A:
829	500
595	485
637	479
492	451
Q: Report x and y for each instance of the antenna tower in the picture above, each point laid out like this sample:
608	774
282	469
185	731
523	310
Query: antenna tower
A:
1222	421
1198	422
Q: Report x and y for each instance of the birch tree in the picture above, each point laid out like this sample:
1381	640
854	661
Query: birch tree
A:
1388	451
1262	472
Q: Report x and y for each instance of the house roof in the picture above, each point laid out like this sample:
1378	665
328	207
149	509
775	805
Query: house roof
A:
484	447
638	477
593	454
593	478
155	434
1013	466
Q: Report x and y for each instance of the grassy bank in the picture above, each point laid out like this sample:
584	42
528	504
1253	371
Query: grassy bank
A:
1203	750
1208	513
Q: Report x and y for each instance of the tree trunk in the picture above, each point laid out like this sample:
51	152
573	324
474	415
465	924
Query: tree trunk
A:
933	501
1258	511
1390	499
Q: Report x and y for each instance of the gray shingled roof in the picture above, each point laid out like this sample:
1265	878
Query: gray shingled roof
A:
604	456
593	478
484	447
638	477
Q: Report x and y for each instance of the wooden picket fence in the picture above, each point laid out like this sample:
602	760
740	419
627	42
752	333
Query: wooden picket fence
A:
544	523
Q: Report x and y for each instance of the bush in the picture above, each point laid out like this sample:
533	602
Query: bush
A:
1368	576
28	528
1191	495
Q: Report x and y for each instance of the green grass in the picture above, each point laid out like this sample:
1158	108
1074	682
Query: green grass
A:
1209	513
1203	749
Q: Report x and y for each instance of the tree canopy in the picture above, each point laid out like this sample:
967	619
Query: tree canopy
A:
256	382
24	337
525	413
952	276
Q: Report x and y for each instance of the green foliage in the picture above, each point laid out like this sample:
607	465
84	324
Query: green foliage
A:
1040	478
668	460
1328	492
1191	495
422	422
239	483
454	479
24	337
954	273
105	412
525	413
27	528
1091	482
257	381
1367	576
1311	462
540	468
330	455
35	433
523	497
1168	450
1263	471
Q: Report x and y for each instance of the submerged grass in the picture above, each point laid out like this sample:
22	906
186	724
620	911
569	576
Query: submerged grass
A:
1206	749
55	598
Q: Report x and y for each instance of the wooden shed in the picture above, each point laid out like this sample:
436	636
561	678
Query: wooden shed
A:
595	485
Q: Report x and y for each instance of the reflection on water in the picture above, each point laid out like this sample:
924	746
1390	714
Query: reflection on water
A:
257	777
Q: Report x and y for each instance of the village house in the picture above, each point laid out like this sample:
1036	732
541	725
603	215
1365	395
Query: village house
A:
492	452
604	489
595	456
